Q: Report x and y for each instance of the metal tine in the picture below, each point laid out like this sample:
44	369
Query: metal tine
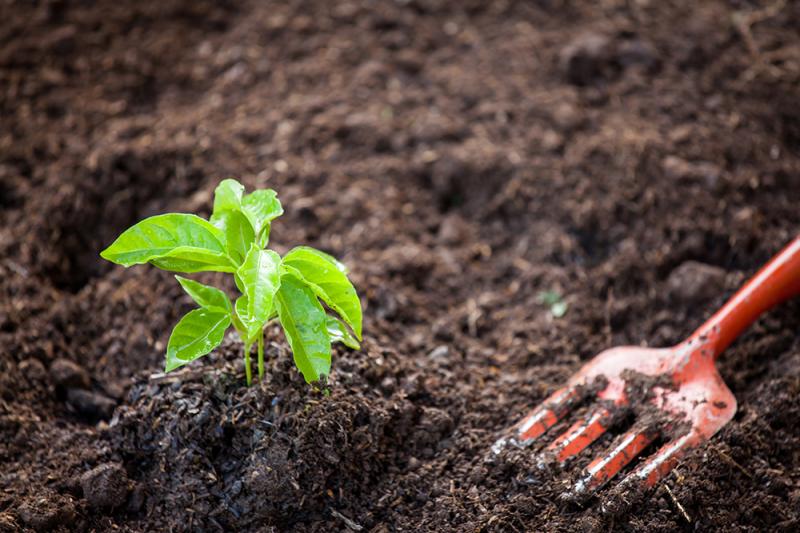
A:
553	409
624	450
548	414
648	474
581	434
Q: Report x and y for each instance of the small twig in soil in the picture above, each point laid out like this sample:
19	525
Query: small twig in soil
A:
474	314
743	24
347	522
680	507
728	459
501	521
453	496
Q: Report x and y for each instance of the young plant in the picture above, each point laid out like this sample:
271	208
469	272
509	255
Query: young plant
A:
288	289
553	300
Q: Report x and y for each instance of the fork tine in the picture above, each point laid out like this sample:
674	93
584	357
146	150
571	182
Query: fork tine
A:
543	417
648	474
605	467
581	434
548	413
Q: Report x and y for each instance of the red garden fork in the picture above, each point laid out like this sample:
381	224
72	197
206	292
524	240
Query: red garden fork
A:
687	401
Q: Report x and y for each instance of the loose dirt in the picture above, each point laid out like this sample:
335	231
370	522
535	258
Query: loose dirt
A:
460	157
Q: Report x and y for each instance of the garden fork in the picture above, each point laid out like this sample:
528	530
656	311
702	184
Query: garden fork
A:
687	401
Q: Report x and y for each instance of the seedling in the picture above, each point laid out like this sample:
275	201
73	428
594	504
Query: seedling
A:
554	302
290	289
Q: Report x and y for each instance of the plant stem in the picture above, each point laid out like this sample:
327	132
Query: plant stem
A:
261	354
247	370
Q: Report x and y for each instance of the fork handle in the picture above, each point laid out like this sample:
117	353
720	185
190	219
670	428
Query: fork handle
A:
776	282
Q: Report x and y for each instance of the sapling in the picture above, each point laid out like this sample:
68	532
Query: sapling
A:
289	289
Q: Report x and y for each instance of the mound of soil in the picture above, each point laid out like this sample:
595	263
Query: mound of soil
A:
639	158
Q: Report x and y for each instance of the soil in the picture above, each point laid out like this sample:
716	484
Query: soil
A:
639	158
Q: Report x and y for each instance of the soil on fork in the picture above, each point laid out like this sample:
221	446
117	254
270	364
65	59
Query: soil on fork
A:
640	160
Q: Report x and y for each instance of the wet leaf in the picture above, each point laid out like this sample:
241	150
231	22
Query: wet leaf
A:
239	234
328	281
259	207
338	332
240	307
305	325
227	197
259	275
205	296
262	207
197	333
176	241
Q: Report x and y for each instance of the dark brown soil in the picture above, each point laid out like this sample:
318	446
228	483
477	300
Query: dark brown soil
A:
640	158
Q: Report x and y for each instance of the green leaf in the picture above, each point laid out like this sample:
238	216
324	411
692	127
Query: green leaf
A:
305	325
227	197
338	332
175	241
205	296
260	276
239	234
190	260
325	277
262	207
241	313
553	300
341	266
229	217
197	333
